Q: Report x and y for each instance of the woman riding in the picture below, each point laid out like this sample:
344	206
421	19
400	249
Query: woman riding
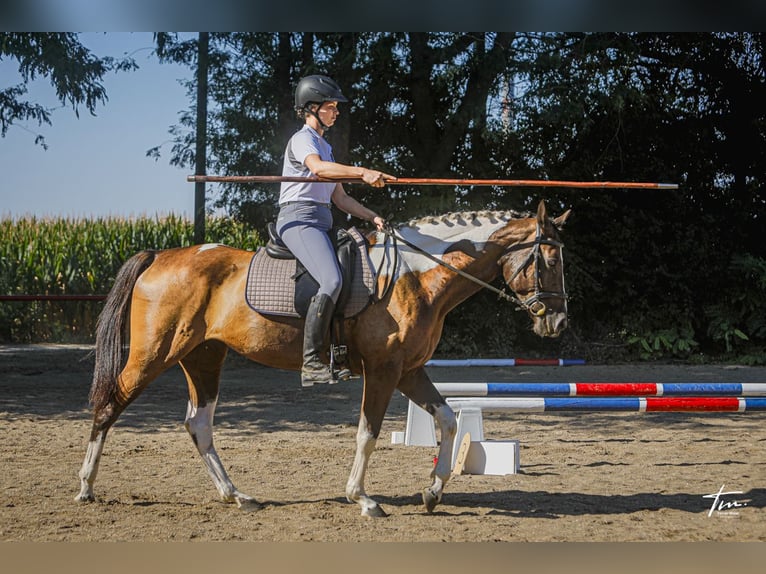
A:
305	215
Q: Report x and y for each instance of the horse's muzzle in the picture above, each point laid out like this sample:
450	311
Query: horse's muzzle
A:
551	324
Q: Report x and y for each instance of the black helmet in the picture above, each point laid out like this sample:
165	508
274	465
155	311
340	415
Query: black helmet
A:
317	89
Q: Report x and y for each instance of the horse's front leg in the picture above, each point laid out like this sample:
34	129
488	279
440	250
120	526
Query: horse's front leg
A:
365	445
377	395
417	387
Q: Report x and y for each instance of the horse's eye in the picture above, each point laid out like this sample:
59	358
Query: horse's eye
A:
552	261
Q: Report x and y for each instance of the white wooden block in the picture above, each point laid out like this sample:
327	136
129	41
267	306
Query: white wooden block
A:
497	457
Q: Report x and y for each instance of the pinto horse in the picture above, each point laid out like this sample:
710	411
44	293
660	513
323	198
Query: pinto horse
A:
186	306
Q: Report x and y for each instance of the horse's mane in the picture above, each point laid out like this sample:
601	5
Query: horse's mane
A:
458	216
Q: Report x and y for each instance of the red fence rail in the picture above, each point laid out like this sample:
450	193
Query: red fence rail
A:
94	297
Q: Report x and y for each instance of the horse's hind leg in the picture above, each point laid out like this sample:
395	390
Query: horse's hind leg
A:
129	384
202	368
102	421
417	387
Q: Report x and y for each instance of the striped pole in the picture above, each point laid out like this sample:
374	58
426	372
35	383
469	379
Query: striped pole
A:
611	404
584	389
471	399
504	362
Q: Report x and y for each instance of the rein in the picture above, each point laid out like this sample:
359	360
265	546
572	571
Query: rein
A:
534	256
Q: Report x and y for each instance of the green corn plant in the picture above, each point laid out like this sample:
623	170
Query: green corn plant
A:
82	256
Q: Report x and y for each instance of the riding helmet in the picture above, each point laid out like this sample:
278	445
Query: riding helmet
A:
317	89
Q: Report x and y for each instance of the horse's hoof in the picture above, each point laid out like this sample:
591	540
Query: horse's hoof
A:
430	499
248	504
84	497
374	512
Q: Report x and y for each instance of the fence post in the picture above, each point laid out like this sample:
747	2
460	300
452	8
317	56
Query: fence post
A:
200	157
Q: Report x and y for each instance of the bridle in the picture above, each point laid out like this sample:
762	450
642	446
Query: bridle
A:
534	257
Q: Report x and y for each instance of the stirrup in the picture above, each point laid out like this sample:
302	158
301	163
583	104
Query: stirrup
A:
341	375
338	354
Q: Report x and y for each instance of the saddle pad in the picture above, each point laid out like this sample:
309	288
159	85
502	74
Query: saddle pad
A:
270	286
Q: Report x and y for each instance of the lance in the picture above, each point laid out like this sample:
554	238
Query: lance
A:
432	181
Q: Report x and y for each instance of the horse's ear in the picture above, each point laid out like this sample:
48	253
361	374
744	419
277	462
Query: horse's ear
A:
542	212
562	219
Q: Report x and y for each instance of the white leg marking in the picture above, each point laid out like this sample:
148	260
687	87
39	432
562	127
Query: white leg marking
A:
89	468
441	473
365	445
199	424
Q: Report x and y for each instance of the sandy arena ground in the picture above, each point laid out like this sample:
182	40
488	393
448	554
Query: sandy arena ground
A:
591	477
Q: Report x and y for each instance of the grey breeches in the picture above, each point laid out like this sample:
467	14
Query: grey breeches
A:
304	227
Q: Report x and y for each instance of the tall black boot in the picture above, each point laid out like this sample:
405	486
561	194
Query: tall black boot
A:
315	333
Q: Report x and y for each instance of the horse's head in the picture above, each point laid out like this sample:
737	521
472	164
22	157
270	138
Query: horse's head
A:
438	250
534	269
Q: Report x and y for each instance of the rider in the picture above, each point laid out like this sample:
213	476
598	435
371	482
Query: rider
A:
305	216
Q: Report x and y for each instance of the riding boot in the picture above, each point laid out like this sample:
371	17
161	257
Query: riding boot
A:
315	333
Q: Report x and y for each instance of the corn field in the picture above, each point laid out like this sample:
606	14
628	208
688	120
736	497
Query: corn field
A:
64	256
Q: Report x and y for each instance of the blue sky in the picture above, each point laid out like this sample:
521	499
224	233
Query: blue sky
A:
97	165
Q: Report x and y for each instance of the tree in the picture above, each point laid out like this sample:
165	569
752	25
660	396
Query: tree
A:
74	72
669	107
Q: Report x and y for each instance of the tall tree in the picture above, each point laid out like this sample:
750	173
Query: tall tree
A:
668	107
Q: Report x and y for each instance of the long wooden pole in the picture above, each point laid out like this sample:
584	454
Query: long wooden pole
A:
431	181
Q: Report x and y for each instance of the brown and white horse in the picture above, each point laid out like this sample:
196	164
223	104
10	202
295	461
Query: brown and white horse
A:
186	306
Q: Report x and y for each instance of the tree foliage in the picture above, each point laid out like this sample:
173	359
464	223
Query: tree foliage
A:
74	72
675	107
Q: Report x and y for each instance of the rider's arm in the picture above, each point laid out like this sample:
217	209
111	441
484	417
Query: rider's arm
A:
333	170
350	205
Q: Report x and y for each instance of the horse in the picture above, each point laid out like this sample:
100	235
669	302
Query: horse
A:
186	306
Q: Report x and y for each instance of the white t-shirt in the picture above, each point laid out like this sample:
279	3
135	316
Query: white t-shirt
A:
302	144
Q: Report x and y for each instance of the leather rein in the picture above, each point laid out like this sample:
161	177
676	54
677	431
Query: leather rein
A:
534	257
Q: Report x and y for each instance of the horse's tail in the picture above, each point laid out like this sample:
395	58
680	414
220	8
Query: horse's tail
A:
111	329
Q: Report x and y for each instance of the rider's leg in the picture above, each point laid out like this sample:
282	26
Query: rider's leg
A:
307	238
315	335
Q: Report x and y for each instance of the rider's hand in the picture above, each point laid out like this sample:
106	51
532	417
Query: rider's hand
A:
379	222
376	178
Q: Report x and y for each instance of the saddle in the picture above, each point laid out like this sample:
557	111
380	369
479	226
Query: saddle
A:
278	284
